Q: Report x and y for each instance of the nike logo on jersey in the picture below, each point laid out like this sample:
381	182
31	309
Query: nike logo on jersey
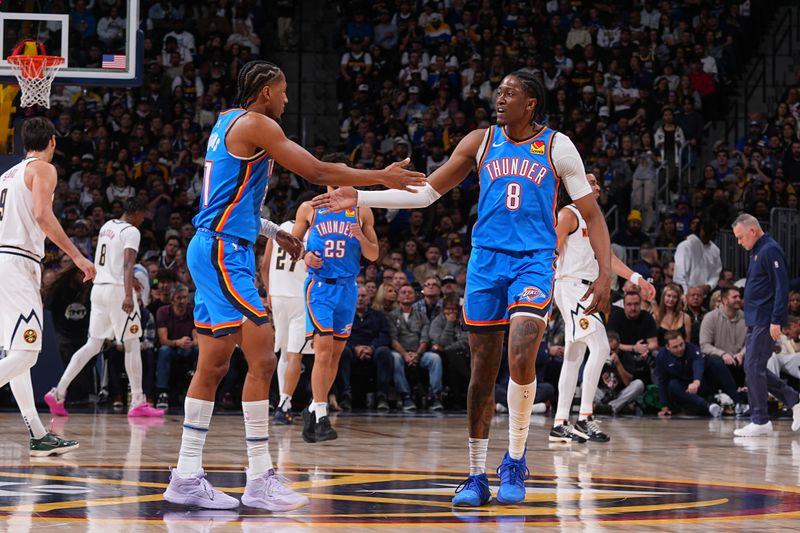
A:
516	166
498	144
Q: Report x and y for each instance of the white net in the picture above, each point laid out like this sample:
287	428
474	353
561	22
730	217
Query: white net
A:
35	75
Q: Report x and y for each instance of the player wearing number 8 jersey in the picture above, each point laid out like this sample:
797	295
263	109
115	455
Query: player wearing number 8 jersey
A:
115	310
520	163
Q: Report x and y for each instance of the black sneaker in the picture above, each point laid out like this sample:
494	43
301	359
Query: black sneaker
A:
588	428
323	430
565	433
163	401
309	420
383	405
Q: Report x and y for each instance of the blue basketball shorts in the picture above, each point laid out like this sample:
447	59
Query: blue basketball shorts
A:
501	284
224	273
330	306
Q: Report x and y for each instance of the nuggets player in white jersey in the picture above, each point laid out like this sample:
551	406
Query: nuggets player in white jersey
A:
576	269
115	310
520	163
285	278
26	218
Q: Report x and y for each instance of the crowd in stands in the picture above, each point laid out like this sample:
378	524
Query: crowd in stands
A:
631	83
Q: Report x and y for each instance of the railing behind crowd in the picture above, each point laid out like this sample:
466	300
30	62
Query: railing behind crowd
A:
732	255
785	228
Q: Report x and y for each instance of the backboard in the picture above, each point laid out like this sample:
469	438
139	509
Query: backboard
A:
100	40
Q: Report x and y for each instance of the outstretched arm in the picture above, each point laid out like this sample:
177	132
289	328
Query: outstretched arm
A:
256	130
453	172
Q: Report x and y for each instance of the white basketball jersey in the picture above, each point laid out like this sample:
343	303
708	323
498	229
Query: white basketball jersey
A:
19	231
109	259
577	260
286	277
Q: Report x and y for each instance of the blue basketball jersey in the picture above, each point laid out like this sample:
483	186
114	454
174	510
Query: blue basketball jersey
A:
233	188
330	236
519	189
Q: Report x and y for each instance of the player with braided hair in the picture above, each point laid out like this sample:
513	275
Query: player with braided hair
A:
242	147
520	163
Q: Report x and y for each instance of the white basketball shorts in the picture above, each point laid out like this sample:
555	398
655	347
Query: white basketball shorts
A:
107	319
20	303
289	317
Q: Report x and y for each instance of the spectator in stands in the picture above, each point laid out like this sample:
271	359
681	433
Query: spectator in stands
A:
722	332
725	279
431	267
648	256
670	314
410	333
645	182
668	235
456	259
697	259
696	312
449	340
178	340
431	303
685	378
632	236
638	335
367	352
794	302
787	360
618	388
385	298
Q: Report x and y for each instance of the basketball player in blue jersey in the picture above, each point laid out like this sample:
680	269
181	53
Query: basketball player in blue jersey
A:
336	242
242	147
520	164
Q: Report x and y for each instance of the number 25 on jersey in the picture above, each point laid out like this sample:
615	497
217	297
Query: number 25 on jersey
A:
334	249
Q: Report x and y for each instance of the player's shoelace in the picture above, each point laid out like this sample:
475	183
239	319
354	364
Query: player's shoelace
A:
512	472
474	483
593	426
277	484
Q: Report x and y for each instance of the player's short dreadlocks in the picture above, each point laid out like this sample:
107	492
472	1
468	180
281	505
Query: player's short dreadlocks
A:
534	89
252	78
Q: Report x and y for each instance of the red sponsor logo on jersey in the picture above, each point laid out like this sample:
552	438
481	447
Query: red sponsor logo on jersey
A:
530	294
351	213
537	147
585	232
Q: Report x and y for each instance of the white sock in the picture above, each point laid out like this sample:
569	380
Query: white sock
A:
283	364
520	403
76	363
568	379
598	355
22	388
477	456
133	367
196	420
256	431
286	403
320	409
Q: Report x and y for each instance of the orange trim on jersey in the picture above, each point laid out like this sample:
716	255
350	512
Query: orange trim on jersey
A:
467	321
555	174
486	148
231	109
525	141
229	285
311	313
239	193
313	218
221	325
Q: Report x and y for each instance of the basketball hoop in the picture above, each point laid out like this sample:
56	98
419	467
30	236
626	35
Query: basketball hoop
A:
35	74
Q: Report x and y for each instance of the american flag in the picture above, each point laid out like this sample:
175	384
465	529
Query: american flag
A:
113	61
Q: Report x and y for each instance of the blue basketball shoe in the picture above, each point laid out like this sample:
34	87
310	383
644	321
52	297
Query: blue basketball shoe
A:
512	474
473	492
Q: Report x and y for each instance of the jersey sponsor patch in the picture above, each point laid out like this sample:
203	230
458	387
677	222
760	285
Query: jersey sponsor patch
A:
537	147
350	213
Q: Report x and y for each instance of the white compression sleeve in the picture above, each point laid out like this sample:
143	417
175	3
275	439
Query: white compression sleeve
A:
424	197
269	229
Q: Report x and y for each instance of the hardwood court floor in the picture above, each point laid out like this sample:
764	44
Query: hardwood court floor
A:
387	473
